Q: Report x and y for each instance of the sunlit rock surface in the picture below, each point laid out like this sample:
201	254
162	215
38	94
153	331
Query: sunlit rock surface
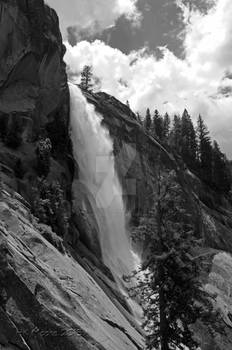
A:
51	301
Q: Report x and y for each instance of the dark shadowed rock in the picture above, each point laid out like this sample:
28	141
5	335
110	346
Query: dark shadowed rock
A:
34	95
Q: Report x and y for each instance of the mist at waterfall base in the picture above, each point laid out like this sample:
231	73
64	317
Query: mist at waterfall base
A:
93	151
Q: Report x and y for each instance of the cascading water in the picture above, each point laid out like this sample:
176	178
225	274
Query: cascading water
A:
93	151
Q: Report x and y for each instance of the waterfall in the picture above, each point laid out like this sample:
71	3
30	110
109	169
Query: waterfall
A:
93	151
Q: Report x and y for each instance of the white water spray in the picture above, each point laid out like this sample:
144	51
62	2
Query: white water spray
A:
93	151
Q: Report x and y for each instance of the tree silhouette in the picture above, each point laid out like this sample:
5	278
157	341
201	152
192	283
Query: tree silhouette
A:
158	125
86	78
166	126
147	121
204	151
169	284
188	140
175	134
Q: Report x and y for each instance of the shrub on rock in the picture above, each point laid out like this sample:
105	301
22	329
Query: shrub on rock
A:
49	206
43	153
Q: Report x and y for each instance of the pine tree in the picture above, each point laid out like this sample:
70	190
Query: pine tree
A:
86	78
166	127
158	126
204	151
188	140
147	120
170	288
175	134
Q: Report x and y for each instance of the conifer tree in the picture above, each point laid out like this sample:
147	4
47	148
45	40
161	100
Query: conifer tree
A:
86	78
158	125
166	126
175	134
147	120
204	151
170	289
188	140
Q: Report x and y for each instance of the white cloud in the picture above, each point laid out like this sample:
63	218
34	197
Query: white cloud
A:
96	14
198	82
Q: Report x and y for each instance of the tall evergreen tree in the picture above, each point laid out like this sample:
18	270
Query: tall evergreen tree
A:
166	127
86	78
204	151
147	120
171	292
188	140
158	125
175	134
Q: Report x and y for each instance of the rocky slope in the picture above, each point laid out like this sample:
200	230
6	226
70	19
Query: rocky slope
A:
55	291
51	301
136	155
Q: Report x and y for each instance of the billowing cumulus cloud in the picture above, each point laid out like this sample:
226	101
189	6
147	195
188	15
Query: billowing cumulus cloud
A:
200	82
94	14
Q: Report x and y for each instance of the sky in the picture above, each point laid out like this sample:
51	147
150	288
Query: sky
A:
164	54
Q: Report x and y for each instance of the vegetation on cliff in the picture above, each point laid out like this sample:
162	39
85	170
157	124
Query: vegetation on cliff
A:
50	207
193	145
169	281
86	78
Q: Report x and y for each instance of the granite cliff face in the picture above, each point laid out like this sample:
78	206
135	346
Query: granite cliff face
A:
32	75
55	292
34	93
